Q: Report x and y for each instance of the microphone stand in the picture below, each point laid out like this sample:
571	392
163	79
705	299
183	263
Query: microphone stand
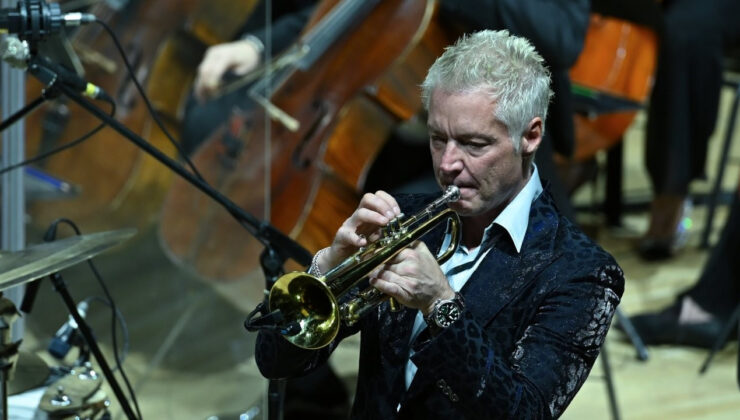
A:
23	111
278	246
272	267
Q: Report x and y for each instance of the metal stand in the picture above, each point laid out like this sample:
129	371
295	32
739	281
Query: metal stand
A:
721	340
61	288
272	267
629	329
613	198
13	90
613	404
4	369
716	193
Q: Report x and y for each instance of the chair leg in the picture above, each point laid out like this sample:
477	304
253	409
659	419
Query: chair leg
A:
717	187
613	404
613	200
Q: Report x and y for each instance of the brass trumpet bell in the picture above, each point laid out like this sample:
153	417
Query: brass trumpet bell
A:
312	305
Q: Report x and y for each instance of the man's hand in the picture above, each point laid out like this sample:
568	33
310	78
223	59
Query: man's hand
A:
413	278
360	229
240	57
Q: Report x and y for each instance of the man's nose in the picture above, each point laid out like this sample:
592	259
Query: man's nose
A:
451	158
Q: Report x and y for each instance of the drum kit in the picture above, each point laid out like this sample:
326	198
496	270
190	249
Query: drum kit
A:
35	389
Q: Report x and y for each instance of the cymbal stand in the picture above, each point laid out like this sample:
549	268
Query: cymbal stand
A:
61	287
8	350
5	367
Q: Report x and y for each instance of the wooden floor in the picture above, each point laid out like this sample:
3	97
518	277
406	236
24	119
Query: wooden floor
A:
190	357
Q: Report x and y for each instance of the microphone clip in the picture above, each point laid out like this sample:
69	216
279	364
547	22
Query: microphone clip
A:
272	321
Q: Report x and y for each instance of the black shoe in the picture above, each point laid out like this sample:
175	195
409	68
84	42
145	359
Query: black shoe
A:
663	328
655	250
663	248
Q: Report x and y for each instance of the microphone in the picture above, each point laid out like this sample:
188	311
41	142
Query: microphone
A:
36	20
16	53
62	341
49	72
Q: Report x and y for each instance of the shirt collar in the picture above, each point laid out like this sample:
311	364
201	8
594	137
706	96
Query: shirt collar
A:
515	216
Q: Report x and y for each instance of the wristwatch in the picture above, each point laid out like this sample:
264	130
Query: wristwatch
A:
445	313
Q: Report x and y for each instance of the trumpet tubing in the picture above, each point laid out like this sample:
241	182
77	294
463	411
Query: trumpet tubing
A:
313	302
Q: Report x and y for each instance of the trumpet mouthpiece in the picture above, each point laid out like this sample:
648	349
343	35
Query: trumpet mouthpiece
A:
452	193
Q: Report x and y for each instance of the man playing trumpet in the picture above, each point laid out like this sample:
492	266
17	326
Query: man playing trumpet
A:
511	324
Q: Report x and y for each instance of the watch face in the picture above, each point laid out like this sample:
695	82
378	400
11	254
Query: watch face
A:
446	313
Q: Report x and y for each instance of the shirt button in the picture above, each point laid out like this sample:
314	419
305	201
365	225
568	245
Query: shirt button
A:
442	384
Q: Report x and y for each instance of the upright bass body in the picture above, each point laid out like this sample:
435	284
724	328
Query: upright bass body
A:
119	184
345	93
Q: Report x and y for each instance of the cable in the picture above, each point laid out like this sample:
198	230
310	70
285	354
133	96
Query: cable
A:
149	106
114	311
121	322
61	148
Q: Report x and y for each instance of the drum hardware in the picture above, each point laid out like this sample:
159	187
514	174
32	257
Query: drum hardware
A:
30	372
77	395
47	259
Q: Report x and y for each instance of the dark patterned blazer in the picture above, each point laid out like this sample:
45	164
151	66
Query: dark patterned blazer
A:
533	325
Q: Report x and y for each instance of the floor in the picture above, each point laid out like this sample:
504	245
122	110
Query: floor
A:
190	358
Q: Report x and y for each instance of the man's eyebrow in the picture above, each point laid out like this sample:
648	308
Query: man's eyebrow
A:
473	136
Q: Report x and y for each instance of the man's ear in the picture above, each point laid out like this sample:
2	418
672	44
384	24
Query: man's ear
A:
532	137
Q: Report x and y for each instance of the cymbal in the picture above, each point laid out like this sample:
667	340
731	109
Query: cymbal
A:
18	267
30	372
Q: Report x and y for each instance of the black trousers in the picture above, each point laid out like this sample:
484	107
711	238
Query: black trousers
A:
718	288
685	98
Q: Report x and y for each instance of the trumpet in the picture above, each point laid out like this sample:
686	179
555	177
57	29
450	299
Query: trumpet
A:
313	302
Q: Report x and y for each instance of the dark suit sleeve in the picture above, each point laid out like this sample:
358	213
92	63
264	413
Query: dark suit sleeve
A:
277	358
285	29
548	364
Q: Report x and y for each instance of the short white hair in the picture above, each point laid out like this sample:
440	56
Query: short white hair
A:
506	66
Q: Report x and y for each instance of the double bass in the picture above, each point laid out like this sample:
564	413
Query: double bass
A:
324	118
119	184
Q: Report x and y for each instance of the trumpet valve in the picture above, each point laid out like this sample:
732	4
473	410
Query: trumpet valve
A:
350	312
395	223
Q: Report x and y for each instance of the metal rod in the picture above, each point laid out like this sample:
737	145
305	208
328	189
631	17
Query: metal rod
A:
61	288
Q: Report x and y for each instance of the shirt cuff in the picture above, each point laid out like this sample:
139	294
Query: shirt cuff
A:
256	43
